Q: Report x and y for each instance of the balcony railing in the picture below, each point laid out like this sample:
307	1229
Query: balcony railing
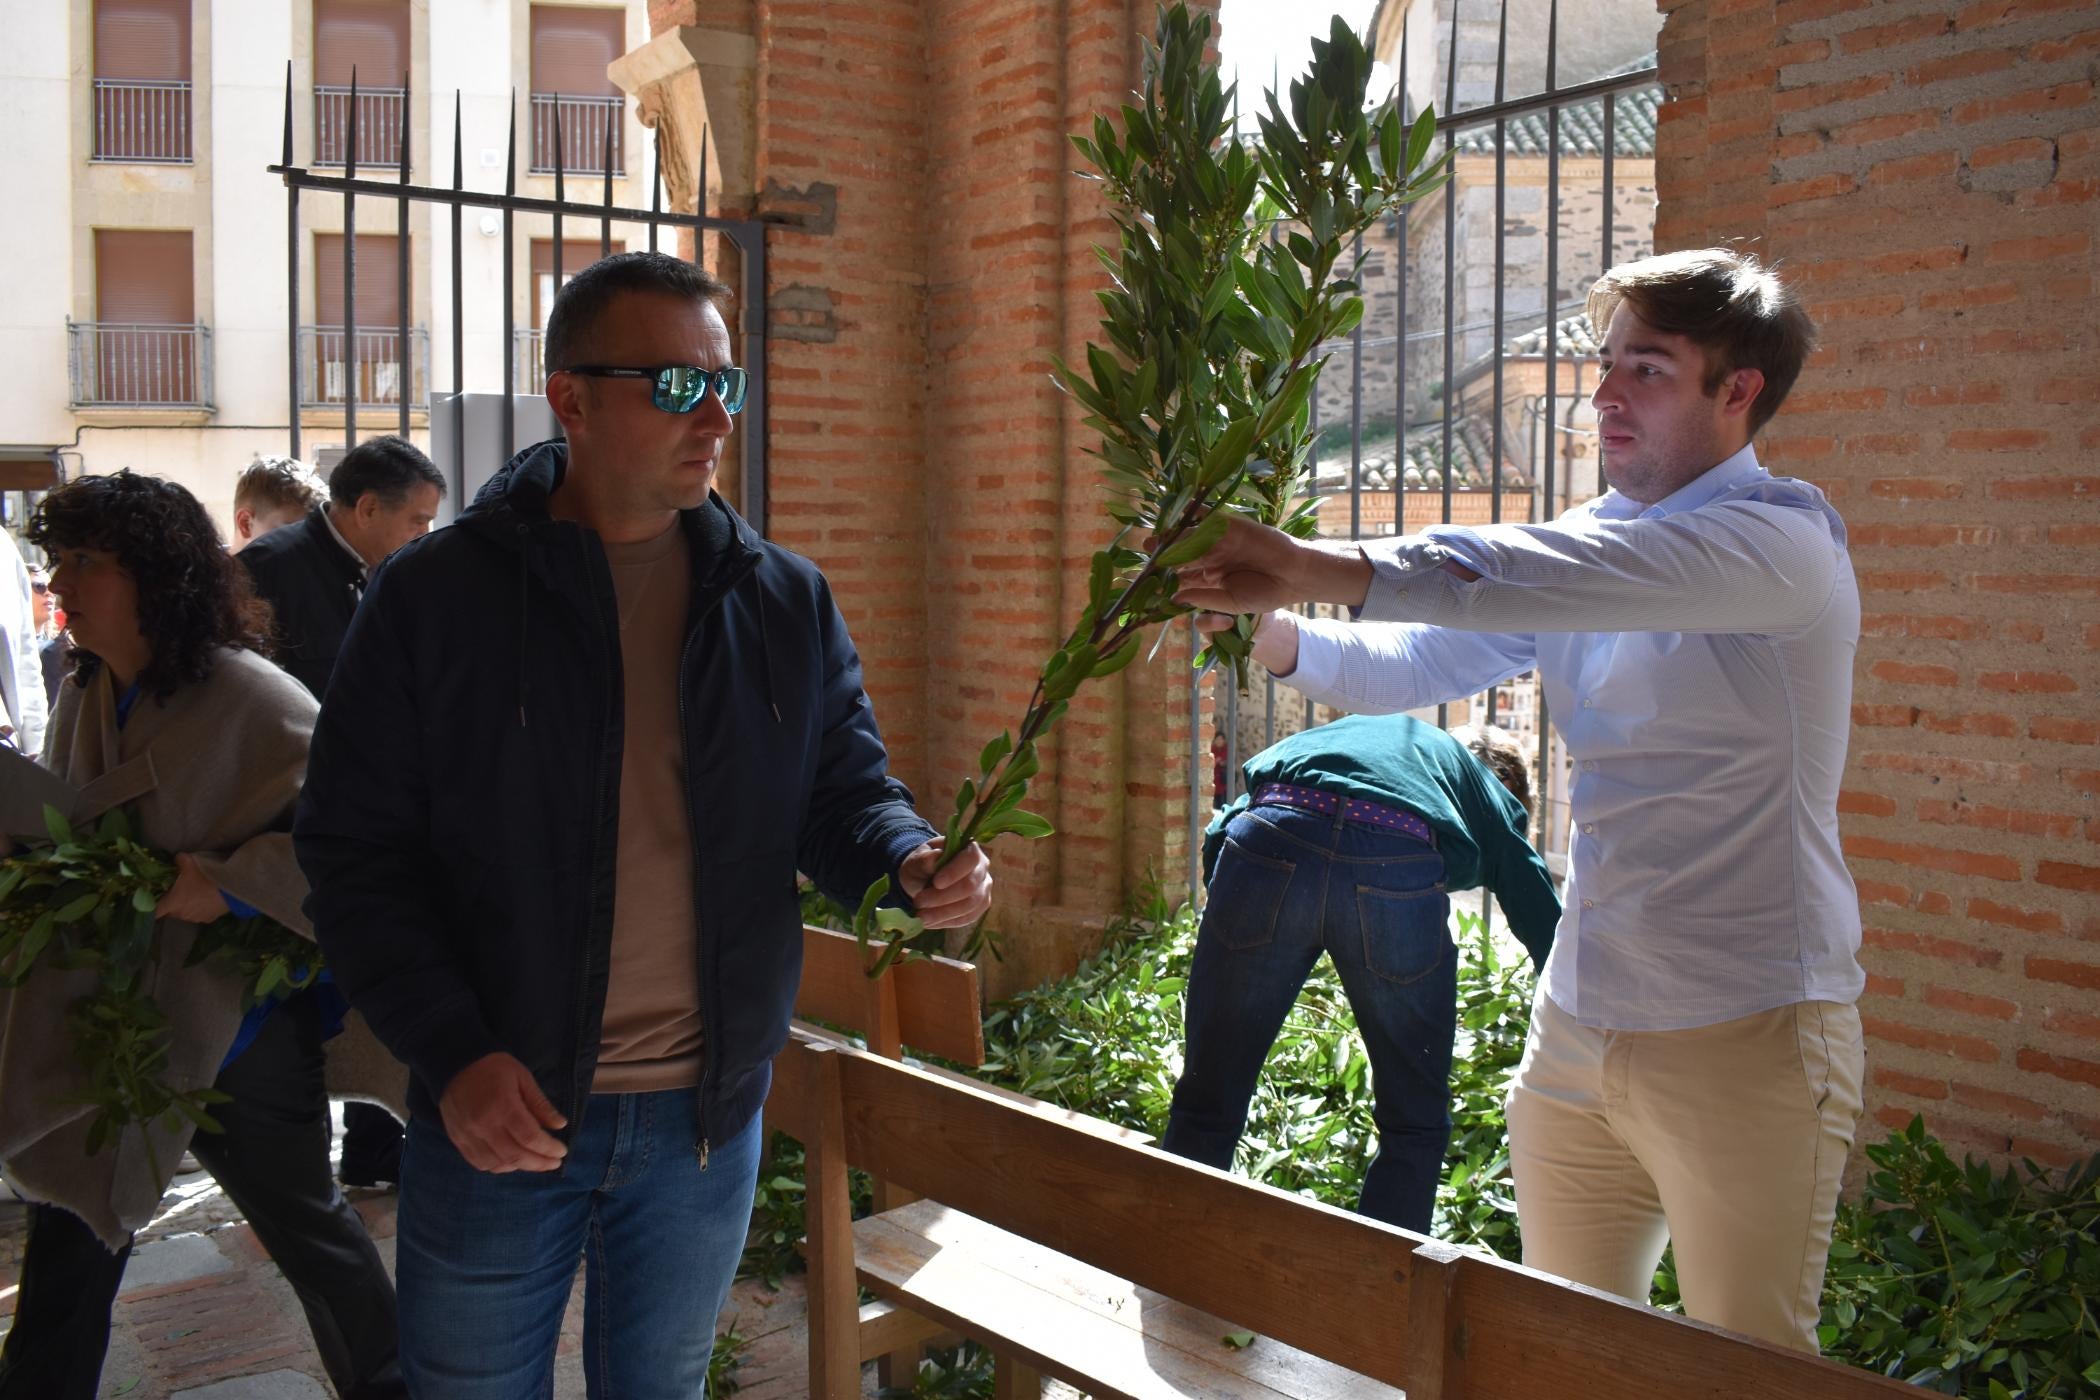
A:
585	123
379	370
529	366
376	118
141	122
134	366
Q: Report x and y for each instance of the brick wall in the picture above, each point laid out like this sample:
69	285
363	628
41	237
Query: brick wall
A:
1928	172
933	252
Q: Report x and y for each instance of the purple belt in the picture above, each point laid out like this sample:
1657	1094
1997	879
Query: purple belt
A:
1351	809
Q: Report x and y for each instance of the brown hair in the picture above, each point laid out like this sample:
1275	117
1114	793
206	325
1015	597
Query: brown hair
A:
276	483
1501	754
1728	304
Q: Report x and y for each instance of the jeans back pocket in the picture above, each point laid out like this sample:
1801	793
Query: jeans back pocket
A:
1406	933
1246	894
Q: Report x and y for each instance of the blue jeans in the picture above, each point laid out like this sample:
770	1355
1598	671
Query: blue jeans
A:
486	1261
1288	885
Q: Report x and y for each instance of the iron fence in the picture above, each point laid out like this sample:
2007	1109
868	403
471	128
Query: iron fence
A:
375	118
411	385
580	135
123	365
1440	443
383	368
142	123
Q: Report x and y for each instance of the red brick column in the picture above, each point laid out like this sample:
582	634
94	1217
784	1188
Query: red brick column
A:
1927	180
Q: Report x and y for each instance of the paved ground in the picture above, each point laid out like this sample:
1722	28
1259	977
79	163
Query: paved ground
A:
205	1316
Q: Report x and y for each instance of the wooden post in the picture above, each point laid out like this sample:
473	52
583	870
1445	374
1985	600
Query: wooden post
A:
834	1295
1015	1380
886	1038
1435	1323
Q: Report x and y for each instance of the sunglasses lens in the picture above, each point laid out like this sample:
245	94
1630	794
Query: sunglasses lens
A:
679	388
732	383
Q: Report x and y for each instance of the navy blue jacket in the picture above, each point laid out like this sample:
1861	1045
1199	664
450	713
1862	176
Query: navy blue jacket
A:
311	583
460	819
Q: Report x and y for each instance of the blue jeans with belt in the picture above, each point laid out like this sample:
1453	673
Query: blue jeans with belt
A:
485	1260
1290	884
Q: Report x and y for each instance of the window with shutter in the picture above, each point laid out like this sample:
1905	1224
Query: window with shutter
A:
378	281
142	81
577	110
145	343
144	277
144	40
381	355
370	40
370	36
571	47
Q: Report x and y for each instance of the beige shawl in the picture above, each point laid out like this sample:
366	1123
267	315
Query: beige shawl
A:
214	770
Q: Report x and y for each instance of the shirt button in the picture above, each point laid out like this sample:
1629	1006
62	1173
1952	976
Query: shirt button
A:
1587	704
1589	765
1589	904
1589	828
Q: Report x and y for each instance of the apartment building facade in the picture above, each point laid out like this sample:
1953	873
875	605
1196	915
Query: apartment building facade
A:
156	320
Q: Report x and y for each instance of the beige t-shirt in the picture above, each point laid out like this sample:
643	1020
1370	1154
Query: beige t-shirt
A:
651	1037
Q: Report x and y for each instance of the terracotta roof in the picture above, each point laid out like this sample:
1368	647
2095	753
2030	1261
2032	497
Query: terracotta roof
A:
1471	453
1577	337
1581	126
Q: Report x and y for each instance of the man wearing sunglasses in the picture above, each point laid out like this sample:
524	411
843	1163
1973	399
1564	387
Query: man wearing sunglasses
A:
572	914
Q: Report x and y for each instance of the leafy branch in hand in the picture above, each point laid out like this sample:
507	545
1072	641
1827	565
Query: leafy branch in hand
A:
1230	272
84	902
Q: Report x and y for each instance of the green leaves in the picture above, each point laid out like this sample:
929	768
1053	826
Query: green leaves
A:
1196	542
1964	1279
85	902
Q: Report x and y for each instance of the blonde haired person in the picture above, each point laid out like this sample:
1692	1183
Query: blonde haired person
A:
270	493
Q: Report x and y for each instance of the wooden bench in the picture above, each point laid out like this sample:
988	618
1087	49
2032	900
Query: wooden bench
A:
1074	1252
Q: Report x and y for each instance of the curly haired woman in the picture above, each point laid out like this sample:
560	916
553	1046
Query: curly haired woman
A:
173	711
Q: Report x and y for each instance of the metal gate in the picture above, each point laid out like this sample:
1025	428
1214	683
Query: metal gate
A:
351	365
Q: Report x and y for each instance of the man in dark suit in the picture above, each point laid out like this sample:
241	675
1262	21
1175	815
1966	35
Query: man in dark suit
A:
312	573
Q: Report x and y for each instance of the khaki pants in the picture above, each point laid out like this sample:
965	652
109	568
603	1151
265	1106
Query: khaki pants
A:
1728	1139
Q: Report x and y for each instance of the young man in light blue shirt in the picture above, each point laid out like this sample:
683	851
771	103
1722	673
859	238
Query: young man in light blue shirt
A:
1694	1066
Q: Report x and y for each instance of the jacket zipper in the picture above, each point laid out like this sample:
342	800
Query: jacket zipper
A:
577	1088
709	1026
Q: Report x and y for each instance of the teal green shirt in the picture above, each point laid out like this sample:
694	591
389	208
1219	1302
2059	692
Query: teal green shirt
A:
1402	762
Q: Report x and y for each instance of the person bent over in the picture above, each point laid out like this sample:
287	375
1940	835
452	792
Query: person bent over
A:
1348	840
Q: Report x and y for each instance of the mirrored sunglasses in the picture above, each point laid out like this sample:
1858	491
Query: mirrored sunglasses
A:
679	388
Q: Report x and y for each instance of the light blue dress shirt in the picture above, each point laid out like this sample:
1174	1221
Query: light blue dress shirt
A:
1696	655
